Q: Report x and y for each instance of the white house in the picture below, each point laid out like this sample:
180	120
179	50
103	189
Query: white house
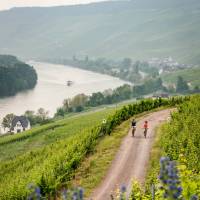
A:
3	130
20	124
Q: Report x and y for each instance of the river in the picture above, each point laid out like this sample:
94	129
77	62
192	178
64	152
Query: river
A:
52	88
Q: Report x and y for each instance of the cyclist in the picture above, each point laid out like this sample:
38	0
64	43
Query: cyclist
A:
145	128
133	124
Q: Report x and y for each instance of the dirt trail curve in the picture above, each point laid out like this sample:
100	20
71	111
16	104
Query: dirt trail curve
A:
132	158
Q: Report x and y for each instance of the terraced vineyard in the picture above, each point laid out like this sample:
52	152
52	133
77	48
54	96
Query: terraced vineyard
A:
12	146
48	155
179	140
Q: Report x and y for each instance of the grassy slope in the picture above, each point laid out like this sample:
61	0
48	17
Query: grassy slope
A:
48	134
39	137
139	29
40	148
190	75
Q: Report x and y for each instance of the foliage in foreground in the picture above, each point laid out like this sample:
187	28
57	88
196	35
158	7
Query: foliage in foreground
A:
180	141
170	187
181	135
171	184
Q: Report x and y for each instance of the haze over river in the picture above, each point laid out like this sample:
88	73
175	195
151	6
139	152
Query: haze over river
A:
52	88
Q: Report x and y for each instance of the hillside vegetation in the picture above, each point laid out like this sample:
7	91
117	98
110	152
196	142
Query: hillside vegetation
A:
15	76
138	29
189	75
15	145
179	139
181	135
52	166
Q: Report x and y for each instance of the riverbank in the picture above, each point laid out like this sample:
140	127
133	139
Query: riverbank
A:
51	89
15	76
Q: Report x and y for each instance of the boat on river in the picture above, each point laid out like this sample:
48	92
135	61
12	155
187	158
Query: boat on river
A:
69	83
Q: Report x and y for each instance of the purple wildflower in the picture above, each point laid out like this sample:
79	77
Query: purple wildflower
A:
169	178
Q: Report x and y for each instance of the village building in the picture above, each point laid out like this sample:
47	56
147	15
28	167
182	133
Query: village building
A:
20	124
161	95
4	130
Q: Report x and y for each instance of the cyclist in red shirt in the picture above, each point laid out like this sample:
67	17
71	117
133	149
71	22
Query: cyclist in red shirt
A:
146	126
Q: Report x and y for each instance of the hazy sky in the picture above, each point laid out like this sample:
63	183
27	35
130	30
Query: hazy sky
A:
6	4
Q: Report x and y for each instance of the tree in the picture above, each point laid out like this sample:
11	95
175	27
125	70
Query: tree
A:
79	108
42	114
125	92
96	99
181	85
7	120
15	76
79	100
31	117
60	112
159	83
171	88
126	63
196	89
66	105
136	66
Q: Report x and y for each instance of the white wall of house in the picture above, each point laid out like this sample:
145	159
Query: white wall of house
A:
19	128
3	130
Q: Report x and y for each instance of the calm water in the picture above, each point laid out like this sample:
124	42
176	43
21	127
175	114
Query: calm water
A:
51	88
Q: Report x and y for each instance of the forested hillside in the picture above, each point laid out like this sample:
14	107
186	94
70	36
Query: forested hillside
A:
15	76
138	29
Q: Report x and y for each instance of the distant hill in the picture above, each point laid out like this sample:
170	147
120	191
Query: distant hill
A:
15	76
139	29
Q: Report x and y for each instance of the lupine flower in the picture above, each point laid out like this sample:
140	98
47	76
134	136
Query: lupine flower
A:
123	192
75	195
194	197
169	178
123	189
64	195
81	193
35	192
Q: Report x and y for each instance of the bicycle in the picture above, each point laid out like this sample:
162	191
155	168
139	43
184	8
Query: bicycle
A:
133	130
145	132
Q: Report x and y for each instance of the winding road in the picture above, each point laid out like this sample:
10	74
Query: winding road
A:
132	158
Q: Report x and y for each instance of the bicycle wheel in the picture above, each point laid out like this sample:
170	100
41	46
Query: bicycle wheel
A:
133	132
145	133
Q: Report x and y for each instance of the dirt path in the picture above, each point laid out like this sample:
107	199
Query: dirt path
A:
132	158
